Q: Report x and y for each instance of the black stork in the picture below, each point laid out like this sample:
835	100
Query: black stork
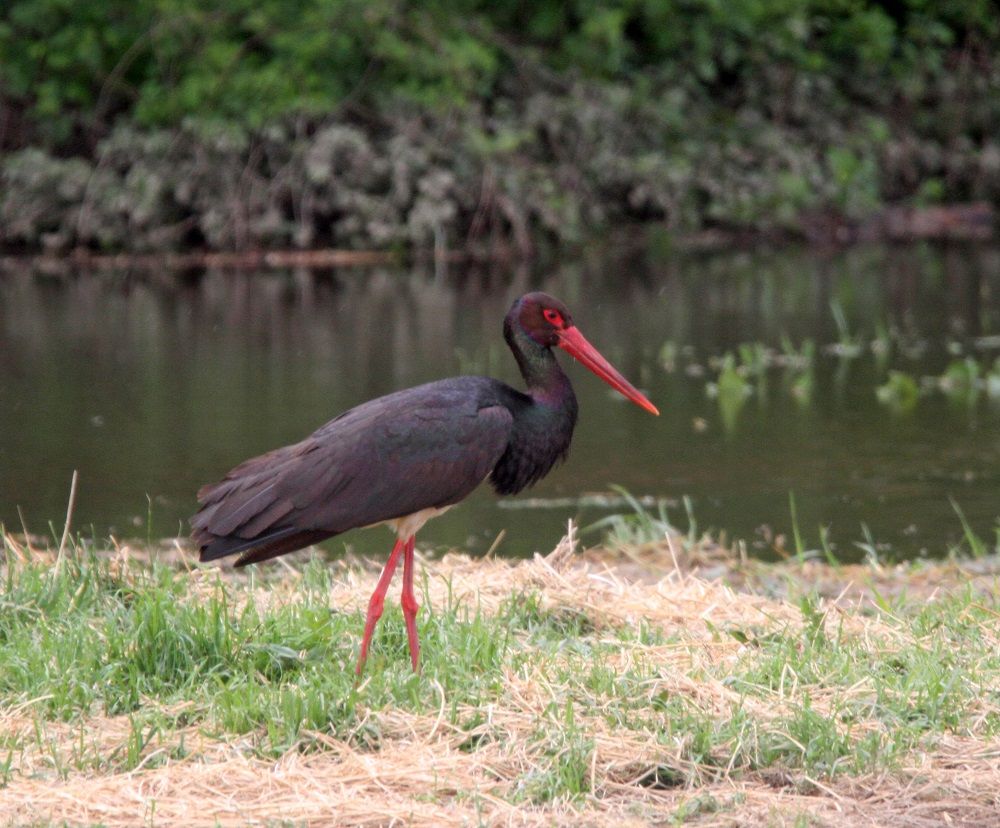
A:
406	457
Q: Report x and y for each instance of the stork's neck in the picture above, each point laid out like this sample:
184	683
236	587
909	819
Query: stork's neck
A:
543	429
546	381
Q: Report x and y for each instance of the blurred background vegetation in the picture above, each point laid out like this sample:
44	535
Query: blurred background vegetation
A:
242	124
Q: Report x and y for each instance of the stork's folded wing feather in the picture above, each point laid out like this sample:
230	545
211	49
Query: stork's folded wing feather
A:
426	447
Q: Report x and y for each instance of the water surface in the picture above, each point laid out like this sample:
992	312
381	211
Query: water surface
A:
151	385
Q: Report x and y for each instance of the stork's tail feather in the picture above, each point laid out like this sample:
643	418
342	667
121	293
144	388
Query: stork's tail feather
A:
246	513
255	550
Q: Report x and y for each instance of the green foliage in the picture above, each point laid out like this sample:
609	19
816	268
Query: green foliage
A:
745	114
246	63
253	62
855	181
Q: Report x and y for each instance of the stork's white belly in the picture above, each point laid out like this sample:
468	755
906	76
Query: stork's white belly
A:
408	525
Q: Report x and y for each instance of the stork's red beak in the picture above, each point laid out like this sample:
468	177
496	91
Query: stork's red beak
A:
574	343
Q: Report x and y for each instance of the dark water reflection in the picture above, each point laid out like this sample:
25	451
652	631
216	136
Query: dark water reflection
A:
152	385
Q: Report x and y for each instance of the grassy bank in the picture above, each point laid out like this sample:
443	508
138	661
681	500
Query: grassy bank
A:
567	689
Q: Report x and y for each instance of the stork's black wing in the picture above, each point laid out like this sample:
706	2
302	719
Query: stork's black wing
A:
425	447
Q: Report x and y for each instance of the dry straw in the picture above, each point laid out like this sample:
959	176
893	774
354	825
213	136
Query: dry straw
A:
421	773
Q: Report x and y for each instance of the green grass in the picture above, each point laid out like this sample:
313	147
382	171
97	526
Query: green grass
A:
84	639
265	660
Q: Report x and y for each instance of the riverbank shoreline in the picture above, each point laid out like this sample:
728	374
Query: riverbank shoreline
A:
973	223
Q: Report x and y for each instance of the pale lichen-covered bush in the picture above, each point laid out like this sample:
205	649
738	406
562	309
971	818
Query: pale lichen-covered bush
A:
40	198
557	165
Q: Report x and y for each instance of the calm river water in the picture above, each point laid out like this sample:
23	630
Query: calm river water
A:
151	385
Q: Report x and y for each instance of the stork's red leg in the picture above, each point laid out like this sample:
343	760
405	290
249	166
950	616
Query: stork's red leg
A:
409	603
376	603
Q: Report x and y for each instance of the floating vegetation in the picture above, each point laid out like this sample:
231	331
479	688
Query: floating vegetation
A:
667	356
993	380
848	345
965	379
731	390
881	345
900	391
961	380
799	357
755	358
799	363
743	372
801	387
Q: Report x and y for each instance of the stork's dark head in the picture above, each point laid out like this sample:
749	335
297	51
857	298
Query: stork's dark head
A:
545	321
542	317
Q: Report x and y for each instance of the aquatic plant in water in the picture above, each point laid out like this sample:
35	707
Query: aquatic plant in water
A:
900	391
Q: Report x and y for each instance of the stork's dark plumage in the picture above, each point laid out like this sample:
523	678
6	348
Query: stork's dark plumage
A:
406	457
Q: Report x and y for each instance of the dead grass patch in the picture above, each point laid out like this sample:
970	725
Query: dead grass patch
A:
478	767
